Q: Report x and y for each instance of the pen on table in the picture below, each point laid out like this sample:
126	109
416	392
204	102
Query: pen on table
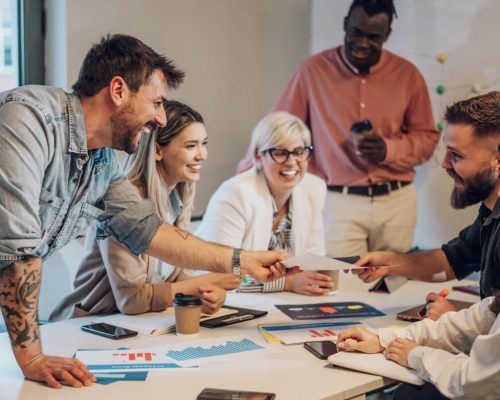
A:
423	311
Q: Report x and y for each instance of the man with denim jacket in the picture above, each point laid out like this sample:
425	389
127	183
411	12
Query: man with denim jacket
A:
58	173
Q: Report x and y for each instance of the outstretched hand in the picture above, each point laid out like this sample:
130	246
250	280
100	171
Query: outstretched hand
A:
54	370
379	260
265	266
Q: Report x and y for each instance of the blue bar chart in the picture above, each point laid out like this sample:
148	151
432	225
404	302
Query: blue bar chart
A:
229	347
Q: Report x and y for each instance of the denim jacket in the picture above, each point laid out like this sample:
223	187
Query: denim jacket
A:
52	187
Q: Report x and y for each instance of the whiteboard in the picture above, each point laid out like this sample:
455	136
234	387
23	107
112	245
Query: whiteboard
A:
467	33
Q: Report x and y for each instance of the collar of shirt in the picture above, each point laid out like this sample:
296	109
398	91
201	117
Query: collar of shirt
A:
491	214
77	142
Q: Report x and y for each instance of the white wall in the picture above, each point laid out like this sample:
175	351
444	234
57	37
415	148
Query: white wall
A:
238	56
467	32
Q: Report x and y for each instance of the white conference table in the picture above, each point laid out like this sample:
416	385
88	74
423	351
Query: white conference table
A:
292	373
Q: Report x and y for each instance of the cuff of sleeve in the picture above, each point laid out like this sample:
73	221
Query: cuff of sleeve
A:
387	335
415	357
162	292
277	285
134	227
390	154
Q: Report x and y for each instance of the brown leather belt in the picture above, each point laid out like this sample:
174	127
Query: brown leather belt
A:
379	189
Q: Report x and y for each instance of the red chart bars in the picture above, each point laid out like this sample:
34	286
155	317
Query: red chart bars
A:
324	333
134	356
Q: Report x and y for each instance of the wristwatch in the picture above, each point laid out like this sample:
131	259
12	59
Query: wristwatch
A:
236	261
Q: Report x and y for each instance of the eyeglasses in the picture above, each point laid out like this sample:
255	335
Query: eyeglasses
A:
280	156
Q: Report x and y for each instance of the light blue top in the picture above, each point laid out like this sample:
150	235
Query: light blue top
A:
52	187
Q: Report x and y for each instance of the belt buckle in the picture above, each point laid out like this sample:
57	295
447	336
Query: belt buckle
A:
386	184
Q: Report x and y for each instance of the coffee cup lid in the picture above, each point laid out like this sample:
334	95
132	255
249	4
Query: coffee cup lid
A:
186	300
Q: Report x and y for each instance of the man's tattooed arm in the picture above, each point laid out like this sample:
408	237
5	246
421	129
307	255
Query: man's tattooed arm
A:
19	290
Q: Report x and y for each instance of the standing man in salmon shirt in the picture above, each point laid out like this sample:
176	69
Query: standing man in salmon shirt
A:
360	87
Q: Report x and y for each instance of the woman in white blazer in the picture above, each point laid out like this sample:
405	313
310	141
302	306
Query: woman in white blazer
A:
276	204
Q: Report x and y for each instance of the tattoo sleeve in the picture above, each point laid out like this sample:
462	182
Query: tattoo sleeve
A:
19	289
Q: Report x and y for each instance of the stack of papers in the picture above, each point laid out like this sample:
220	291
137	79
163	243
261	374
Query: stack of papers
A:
154	324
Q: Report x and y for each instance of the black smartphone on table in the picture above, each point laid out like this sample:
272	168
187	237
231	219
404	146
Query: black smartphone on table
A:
109	331
223	394
322	349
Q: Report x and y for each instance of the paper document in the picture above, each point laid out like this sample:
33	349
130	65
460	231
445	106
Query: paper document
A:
313	262
375	364
155	323
194	353
300	333
125	360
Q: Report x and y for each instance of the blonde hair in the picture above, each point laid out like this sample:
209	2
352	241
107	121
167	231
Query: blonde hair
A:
142	171
276	129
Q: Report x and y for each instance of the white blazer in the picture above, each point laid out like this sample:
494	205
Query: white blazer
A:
240	214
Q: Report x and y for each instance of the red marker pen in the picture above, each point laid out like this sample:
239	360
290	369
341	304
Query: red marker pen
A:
423	311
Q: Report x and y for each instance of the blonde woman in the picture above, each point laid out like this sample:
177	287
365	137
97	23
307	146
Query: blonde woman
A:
274	205
164	169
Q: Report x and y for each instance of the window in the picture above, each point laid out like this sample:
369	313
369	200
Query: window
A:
21	43
9	60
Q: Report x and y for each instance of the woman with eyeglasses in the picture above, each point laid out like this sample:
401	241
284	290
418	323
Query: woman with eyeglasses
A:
164	169
274	205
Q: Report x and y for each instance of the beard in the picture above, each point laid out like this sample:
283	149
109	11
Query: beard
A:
124	130
476	189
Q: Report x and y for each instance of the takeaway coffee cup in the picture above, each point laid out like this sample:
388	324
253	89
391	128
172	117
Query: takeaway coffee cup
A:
187	314
334	275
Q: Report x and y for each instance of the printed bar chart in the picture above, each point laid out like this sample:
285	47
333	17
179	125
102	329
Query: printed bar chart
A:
230	347
325	333
135	356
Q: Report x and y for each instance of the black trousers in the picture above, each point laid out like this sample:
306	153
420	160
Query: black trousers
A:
411	392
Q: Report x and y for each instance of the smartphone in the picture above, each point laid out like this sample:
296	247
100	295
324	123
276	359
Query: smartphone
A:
109	331
323	349
222	394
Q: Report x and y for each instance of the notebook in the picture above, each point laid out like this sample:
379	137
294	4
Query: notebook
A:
156	323
375	364
412	314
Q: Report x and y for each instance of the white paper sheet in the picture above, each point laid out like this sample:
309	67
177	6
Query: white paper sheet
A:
375	364
314	262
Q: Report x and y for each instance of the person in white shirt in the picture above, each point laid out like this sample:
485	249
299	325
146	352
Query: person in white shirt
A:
274	205
459	354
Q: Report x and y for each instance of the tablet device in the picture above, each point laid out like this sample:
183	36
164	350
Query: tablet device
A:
412	314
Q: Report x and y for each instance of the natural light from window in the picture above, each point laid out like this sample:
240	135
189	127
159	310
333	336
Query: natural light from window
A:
9	64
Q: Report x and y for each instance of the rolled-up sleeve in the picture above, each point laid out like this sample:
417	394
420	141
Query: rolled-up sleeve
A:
130	219
23	160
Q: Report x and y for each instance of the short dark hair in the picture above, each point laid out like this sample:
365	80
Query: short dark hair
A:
482	112
125	56
372	7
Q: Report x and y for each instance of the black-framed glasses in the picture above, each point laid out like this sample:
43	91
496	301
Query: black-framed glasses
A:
281	155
